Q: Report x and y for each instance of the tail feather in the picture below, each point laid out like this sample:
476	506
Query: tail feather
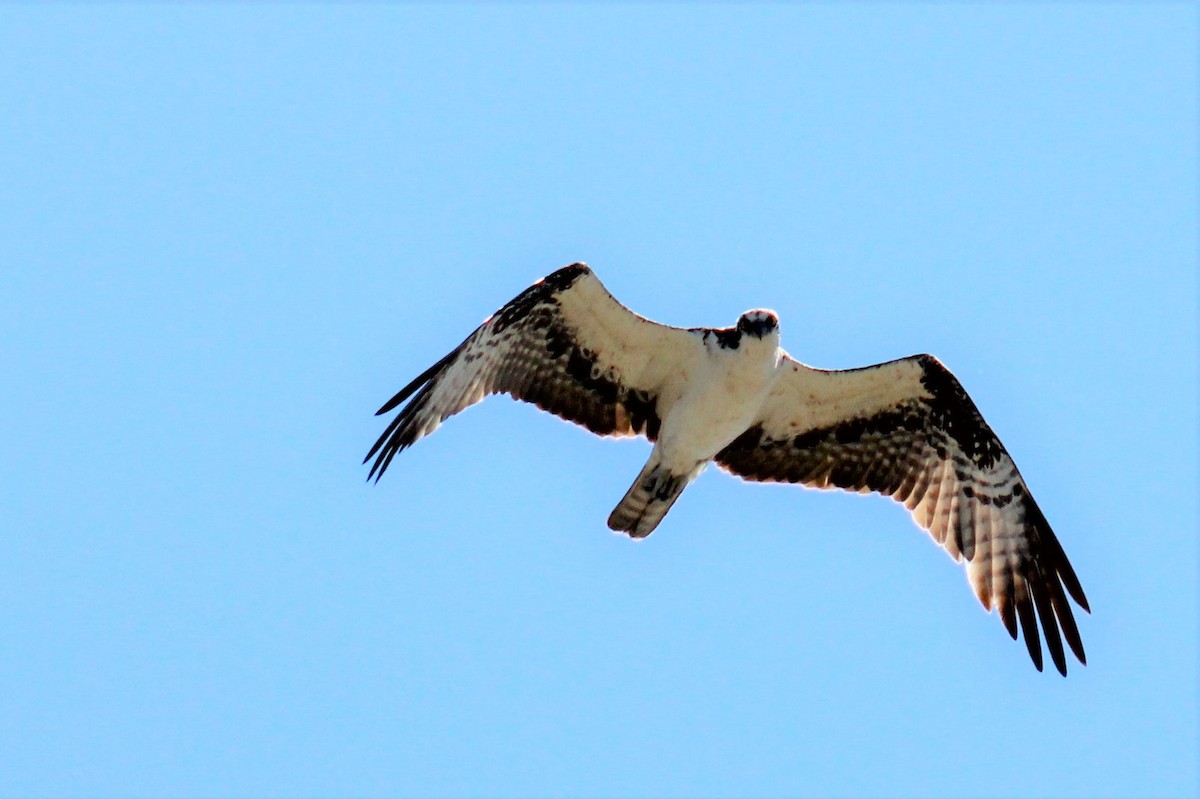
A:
648	500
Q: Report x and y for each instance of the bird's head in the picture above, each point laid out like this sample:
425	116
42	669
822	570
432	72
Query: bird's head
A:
758	323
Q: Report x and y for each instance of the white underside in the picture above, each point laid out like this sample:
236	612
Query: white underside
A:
720	402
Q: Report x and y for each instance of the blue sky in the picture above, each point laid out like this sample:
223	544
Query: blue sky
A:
231	232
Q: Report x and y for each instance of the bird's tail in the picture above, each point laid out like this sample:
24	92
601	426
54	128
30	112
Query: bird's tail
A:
649	498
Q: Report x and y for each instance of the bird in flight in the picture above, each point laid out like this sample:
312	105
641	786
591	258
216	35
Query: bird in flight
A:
904	428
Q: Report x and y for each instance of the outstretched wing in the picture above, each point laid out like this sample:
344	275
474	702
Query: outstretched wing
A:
563	344
908	430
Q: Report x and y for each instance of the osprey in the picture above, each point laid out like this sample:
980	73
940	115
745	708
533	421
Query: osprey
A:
904	428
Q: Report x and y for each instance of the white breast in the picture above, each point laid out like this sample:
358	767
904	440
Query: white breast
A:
720	402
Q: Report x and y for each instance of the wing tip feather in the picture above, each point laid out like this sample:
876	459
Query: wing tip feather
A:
425	377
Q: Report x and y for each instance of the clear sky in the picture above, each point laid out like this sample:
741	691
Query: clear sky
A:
229	233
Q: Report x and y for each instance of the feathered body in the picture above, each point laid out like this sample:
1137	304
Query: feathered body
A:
724	389
905	429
